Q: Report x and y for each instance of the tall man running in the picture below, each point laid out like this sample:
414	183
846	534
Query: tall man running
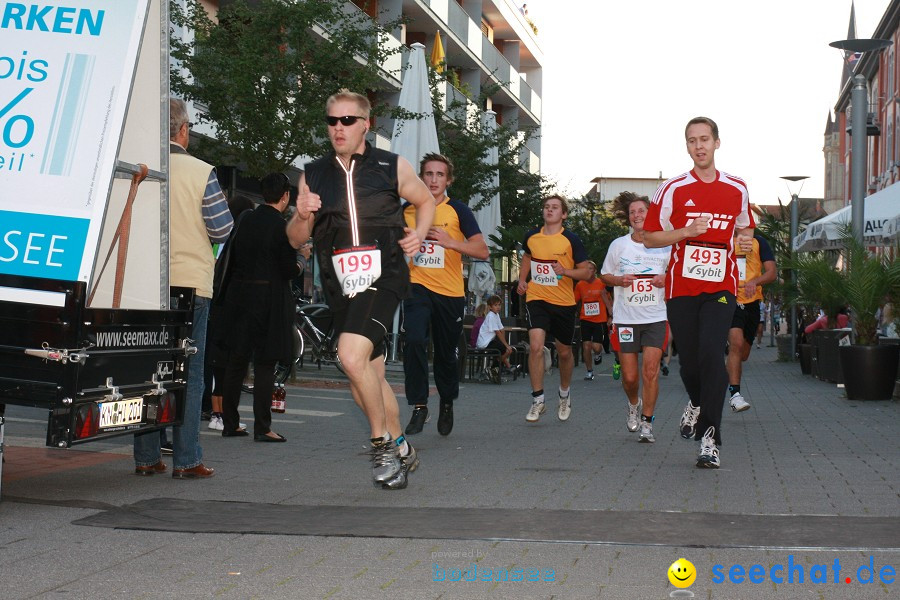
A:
437	297
349	200
639	313
755	269
554	257
697	213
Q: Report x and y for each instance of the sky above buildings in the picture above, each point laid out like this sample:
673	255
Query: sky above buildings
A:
621	79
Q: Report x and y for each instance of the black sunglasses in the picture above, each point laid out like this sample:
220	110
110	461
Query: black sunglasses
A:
345	121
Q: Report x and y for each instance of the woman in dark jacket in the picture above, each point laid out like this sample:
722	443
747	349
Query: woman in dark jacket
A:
260	308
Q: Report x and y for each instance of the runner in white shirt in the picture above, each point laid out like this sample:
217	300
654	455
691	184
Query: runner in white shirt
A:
639	310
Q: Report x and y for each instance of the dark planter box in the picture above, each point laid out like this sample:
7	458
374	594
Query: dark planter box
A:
806	358
826	359
869	371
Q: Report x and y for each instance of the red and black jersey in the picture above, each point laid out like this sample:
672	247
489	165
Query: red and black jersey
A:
705	264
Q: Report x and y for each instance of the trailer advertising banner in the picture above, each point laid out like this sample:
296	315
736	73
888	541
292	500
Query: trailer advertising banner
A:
65	78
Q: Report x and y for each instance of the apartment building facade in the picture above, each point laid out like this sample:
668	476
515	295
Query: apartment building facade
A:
485	42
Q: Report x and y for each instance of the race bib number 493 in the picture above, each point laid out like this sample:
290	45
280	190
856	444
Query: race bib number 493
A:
357	268
705	262
542	272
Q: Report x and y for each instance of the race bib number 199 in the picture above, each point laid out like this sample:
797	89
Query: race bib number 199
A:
542	273
357	268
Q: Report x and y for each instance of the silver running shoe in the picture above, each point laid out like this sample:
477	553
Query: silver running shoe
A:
408	464
565	407
709	452
689	420
738	404
535	412
646	435
634	412
385	459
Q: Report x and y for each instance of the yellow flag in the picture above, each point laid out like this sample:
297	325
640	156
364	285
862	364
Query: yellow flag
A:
437	54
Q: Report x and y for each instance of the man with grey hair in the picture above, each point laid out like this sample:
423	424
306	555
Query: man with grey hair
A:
199	218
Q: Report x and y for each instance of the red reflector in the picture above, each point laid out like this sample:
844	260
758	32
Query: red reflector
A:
167	408
87	420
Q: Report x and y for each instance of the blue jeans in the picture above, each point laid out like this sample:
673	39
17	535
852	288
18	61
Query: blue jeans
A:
185	437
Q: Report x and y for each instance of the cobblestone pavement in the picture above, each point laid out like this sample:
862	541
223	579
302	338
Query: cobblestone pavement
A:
801	450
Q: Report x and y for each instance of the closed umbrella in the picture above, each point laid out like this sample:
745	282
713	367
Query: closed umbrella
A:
414	138
437	54
488	216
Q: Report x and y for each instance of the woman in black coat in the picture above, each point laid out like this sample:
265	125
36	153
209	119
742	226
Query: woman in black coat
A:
260	308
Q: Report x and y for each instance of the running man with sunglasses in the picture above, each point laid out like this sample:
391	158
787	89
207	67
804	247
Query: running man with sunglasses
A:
350	202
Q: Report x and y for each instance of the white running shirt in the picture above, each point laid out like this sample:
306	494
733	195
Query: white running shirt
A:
627	256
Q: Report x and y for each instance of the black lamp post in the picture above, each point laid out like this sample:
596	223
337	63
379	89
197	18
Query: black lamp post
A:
795	225
859	104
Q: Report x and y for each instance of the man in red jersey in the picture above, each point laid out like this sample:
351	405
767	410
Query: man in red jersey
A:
698	214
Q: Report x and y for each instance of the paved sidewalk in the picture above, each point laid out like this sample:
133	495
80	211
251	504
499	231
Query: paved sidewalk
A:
801	451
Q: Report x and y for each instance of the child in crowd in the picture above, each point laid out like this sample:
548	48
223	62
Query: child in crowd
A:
491	334
481	312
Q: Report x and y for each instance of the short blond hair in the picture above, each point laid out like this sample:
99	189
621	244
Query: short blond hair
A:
365	107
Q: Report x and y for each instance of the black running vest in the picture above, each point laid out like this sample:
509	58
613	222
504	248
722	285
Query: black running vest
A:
373	178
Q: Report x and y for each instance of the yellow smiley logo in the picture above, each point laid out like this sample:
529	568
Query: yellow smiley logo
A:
682	573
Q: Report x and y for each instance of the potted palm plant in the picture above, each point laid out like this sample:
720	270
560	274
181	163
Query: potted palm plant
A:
870	369
820	284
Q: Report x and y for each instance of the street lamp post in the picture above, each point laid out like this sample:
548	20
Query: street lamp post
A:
795	225
859	104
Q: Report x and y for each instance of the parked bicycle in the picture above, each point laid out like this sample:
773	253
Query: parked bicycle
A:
314	340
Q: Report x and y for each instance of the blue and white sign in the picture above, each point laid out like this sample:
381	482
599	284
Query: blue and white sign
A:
65	76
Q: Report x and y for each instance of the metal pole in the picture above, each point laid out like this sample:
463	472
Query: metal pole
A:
795	225
860	105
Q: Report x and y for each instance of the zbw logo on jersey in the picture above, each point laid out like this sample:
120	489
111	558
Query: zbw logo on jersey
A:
716	221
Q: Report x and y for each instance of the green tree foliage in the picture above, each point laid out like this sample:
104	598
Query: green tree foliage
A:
264	75
464	138
595	225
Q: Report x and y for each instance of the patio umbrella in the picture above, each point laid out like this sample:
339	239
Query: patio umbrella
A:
414	138
488	217
437	54
881	208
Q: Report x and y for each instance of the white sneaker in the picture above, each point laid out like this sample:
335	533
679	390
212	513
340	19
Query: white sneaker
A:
634	412
215	422
535	412
689	420
738	404
565	407
709	452
646	435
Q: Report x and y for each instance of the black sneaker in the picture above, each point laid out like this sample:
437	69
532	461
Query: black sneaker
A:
166	448
445	419
665	369
417	421
598	358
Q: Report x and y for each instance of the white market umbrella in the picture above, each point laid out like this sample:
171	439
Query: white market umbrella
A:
881	209
488	217
414	138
